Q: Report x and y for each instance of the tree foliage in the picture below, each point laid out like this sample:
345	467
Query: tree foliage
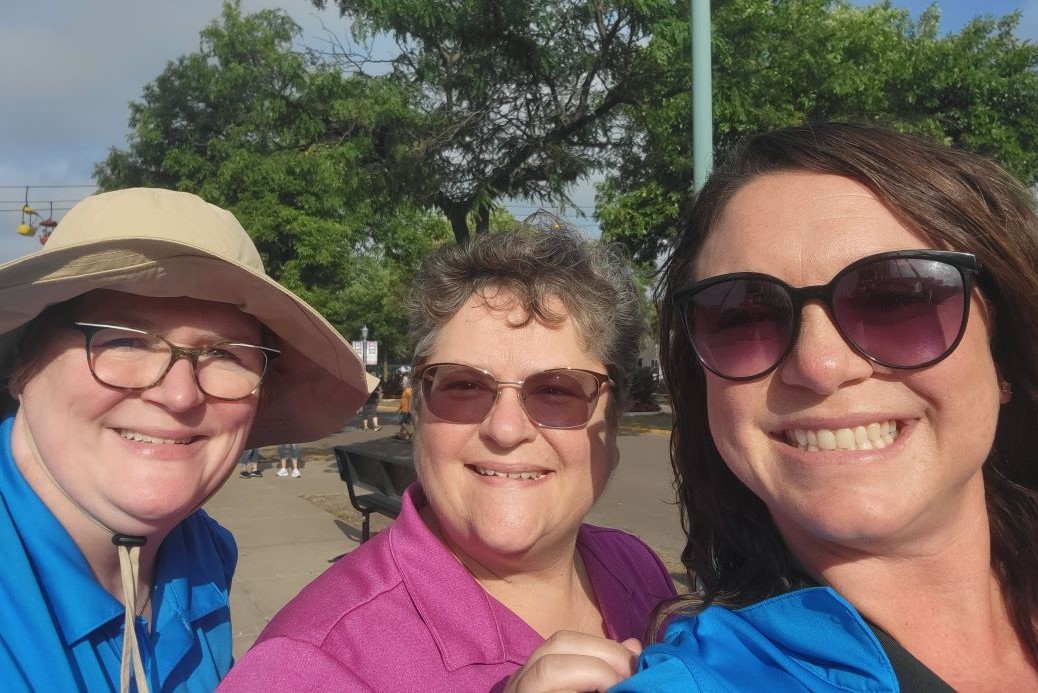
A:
782	62
296	150
519	99
337	164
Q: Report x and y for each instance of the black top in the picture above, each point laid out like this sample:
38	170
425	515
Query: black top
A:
913	675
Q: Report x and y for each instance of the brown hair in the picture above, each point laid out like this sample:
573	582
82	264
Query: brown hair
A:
533	267
26	360
734	554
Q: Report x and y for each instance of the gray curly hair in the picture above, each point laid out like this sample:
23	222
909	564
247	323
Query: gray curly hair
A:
531	268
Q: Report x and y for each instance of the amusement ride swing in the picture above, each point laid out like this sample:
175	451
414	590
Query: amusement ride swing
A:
29	223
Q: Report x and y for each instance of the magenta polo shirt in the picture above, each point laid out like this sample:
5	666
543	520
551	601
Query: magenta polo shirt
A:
400	613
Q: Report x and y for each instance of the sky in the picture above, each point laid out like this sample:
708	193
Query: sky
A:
68	71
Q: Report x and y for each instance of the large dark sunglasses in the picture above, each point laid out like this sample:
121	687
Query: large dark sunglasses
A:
556	398
902	309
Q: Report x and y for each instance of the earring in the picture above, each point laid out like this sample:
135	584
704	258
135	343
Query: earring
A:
1005	387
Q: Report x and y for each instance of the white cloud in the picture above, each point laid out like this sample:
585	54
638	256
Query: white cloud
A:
68	71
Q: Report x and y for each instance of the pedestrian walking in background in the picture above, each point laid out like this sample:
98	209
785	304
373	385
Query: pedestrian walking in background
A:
405	412
370	411
286	452
249	462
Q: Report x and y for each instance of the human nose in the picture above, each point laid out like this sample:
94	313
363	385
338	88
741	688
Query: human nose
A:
178	389
821	360
507	424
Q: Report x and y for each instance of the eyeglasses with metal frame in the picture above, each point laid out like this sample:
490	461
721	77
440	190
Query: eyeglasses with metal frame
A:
561	398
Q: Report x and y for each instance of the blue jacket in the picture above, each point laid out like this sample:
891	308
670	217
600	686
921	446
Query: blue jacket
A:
807	640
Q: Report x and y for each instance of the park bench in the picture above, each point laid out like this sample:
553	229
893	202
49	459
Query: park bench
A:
385	479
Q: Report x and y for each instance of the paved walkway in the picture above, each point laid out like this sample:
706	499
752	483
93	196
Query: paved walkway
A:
285	541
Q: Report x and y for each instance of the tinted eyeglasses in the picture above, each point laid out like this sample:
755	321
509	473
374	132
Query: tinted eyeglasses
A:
901	309
129	359
556	398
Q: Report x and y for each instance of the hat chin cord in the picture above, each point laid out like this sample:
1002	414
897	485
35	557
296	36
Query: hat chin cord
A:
129	548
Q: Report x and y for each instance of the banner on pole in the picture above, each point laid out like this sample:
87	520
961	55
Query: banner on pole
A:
371	357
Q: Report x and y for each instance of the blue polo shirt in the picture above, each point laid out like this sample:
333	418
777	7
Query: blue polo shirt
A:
60	630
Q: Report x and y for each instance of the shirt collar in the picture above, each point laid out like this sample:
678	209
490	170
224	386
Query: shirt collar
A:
182	578
184	592
79	602
824	634
467	624
615	596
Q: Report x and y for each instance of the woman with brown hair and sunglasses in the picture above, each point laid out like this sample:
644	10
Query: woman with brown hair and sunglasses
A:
850	336
524	345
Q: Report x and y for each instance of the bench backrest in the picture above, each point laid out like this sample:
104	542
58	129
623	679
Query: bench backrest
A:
400	475
377	474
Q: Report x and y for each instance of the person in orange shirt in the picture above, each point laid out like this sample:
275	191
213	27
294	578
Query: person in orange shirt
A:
405	413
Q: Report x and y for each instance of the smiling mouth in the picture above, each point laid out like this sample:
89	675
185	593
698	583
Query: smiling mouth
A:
873	436
531	475
138	437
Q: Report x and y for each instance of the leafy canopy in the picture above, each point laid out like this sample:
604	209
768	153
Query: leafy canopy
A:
782	62
296	150
518	99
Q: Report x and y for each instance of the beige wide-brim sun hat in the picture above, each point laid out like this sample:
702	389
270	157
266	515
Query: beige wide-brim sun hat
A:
161	243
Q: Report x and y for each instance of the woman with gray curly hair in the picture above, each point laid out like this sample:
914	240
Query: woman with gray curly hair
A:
524	345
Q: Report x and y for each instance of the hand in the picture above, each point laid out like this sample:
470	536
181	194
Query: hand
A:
575	662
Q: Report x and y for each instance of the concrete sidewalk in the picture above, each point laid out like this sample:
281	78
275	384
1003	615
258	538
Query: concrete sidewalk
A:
285	541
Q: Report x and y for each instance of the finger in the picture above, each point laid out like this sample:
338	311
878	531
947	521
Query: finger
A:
634	645
601	661
565	672
621	656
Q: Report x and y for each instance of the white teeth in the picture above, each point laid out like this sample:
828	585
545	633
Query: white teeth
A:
874	436
141	438
812	441
861	438
509	475
826	439
845	439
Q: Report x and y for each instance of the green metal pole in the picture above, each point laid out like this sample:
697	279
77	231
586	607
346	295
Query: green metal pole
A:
702	95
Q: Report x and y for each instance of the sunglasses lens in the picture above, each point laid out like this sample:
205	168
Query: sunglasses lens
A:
458	394
903	312
740	328
555	399
560	398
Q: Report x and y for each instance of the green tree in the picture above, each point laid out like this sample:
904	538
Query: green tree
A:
519	99
296	150
781	62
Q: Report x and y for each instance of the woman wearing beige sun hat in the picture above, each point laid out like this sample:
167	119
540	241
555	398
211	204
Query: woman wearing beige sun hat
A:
140	352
